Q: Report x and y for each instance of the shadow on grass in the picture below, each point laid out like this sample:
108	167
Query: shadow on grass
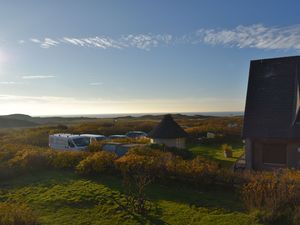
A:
211	197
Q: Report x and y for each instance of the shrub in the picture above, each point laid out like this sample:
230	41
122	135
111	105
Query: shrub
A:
67	159
16	214
99	162
144	160
198	171
227	149
274	194
96	146
32	159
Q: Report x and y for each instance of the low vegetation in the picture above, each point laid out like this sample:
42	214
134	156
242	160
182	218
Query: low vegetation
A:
150	184
17	214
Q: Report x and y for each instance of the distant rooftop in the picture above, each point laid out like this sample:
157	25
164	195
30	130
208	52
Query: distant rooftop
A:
167	128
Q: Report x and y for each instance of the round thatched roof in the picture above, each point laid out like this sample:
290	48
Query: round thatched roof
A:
167	128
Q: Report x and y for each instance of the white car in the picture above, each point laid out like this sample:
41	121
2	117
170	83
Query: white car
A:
94	137
68	142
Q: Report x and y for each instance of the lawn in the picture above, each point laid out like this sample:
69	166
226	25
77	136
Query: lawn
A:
214	152
66	198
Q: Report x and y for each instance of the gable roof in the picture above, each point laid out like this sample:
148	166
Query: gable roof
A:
273	100
167	128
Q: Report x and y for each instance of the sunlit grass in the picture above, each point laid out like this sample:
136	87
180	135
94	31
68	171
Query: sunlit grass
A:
215	152
65	198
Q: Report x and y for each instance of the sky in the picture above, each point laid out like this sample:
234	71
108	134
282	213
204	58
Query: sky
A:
71	57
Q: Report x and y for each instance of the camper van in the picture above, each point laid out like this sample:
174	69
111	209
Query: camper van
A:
94	137
68	142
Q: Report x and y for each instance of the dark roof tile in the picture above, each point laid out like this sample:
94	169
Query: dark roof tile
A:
272	96
167	128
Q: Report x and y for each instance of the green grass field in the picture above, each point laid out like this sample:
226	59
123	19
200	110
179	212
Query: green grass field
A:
66	198
214	152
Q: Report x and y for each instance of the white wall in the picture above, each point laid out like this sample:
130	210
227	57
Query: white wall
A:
175	142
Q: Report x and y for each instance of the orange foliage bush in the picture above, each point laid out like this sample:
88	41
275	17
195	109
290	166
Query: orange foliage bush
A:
67	159
16	214
32	159
276	195
99	162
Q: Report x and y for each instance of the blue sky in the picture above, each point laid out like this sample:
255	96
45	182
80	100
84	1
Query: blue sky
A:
94	57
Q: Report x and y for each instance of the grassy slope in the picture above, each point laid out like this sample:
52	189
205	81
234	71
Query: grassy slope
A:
65	198
214	152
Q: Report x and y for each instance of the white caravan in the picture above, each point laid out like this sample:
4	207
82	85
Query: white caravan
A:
68	142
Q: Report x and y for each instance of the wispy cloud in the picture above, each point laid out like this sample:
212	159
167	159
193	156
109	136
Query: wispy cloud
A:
38	77
34	40
145	41
253	36
96	42
141	41
96	83
45	43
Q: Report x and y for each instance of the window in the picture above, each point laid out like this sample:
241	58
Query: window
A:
274	154
71	144
81	142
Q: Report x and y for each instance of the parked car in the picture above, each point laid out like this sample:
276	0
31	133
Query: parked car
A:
94	137
136	134
117	136
118	148
68	142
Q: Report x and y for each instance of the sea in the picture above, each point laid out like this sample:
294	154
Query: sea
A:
113	115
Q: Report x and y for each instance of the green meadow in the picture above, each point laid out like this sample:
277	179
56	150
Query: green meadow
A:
67	198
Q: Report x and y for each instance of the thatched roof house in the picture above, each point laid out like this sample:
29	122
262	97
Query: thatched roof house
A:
168	132
272	115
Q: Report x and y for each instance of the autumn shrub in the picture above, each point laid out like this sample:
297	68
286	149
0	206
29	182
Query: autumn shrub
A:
227	150
97	163
16	214
143	159
8	151
140	167
67	159
275	195
96	146
198	171
32	159
33	136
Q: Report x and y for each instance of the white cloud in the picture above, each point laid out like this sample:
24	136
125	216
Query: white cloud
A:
45	43
253	36
38	77
145	41
34	40
97	42
141	41
48	42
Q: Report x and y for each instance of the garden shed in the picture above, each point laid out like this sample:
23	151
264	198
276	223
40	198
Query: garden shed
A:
169	133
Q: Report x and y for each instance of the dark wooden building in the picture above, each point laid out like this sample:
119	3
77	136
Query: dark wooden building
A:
272	114
169	133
